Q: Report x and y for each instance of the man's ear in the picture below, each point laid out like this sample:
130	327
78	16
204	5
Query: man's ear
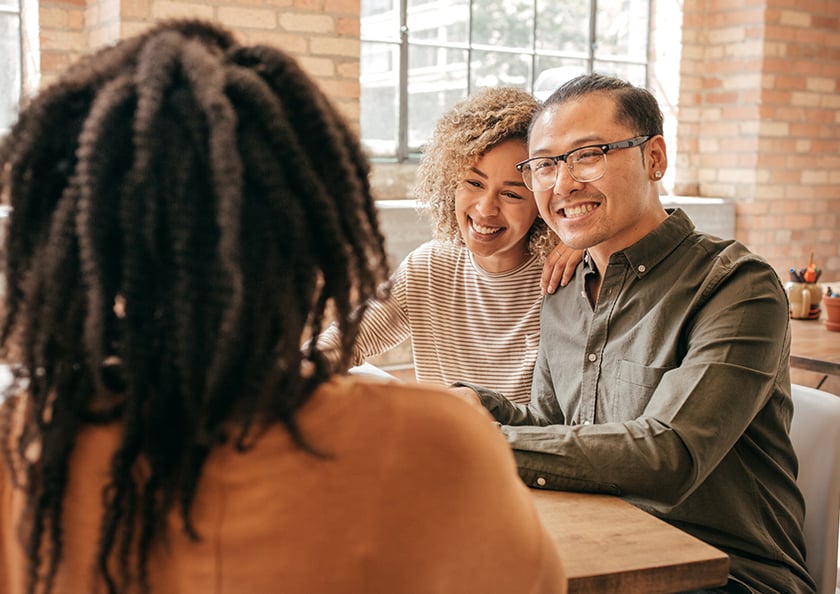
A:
657	157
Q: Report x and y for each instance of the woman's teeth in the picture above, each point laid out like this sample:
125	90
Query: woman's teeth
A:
485	230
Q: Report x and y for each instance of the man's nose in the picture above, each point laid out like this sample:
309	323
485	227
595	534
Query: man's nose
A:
564	182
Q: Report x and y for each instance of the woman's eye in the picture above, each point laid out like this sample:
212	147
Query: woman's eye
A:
512	196
473	183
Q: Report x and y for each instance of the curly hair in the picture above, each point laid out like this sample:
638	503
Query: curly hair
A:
184	211
461	137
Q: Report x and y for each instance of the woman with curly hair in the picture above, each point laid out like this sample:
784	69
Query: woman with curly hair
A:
470	298
184	210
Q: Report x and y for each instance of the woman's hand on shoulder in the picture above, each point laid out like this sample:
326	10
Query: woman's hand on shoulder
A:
559	268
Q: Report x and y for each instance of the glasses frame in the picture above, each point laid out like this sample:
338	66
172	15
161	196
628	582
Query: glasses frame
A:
605	148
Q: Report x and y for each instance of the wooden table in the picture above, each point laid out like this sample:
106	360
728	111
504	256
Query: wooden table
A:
814	347
608	545
815	351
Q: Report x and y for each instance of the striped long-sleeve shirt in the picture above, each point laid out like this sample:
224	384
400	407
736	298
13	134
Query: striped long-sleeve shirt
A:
465	323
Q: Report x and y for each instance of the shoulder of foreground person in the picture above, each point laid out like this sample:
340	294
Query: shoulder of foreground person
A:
429	411
6	531
11	414
457	496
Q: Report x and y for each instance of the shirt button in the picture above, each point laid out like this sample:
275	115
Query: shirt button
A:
541	482
641	268
592	357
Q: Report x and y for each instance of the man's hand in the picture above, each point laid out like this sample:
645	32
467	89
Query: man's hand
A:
469	396
559	267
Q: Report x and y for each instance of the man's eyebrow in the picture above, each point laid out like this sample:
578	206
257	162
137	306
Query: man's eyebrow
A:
590	140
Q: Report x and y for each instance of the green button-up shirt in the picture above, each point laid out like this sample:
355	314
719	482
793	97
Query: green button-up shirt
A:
673	392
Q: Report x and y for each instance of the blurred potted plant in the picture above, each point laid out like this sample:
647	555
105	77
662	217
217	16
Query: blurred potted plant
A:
831	300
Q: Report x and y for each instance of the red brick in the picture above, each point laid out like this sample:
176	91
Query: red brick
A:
343	6
313	5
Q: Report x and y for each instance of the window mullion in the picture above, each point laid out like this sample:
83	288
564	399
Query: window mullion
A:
647	46
402	139
470	49
533	74
13	67
593	34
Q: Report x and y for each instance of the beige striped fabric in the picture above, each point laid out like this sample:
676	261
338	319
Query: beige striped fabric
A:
465	323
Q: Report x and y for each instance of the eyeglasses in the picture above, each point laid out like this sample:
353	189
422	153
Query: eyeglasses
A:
585	164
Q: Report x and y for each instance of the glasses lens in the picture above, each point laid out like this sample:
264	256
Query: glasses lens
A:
587	164
543	174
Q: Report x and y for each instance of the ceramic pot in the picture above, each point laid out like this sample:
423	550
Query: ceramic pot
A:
804	300
832	313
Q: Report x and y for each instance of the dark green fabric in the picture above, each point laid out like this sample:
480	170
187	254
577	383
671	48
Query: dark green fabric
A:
674	393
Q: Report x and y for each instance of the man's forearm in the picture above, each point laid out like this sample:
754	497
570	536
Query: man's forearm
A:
502	409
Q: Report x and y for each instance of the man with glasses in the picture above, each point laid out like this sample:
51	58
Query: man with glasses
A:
663	373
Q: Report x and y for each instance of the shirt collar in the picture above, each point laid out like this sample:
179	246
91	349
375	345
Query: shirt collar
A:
645	254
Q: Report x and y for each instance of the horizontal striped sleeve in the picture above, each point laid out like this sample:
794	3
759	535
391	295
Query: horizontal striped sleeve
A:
472	325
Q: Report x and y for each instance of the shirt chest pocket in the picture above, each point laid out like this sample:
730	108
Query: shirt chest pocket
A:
634	385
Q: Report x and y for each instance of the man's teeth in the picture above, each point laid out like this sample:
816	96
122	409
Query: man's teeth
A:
484	230
579	210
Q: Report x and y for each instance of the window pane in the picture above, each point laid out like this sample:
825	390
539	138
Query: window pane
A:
10	73
437	79
563	26
553	72
494	69
379	100
622	30
635	73
455	48
439	20
380	19
506	23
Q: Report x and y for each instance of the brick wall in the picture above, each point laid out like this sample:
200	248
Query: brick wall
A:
62	36
760	122
322	34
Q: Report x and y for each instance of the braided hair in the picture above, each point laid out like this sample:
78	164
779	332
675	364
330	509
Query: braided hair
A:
186	213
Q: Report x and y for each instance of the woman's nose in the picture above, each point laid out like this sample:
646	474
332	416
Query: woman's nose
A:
487	203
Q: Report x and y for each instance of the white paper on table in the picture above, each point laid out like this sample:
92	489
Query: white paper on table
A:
368	370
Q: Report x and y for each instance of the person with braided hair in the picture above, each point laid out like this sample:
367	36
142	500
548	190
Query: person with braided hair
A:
470	298
186	212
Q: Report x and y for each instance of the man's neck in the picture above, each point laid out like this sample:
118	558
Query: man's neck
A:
592	280
593	287
601	253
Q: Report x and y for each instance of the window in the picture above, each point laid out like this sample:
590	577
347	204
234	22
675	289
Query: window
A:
11	67
419	57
